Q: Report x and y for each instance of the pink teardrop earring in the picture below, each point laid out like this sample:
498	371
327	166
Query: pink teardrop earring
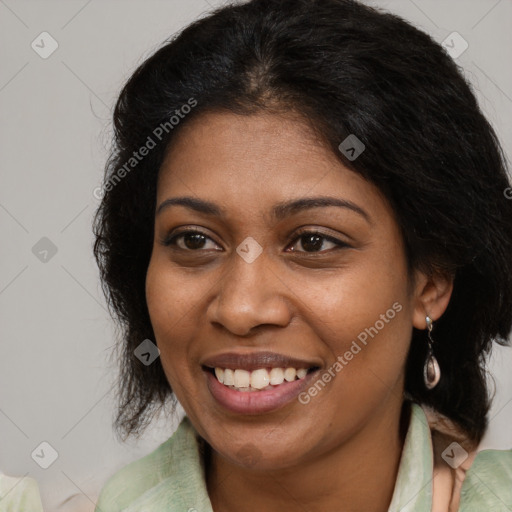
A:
431	370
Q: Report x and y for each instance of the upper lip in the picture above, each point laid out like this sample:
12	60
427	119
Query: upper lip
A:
254	360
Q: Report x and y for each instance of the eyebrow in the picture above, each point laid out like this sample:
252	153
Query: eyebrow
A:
279	211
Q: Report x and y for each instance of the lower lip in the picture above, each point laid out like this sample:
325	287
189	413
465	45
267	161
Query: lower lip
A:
257	402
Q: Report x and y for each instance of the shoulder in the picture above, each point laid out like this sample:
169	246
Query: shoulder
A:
481	482
488	482
141	476
20	494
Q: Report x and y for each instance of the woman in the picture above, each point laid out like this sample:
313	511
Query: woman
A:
306	212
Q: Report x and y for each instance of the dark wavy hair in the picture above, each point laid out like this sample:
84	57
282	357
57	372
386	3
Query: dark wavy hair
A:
347	69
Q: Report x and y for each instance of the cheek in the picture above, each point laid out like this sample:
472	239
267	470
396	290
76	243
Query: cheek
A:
172	296
171	309
170	303
363	315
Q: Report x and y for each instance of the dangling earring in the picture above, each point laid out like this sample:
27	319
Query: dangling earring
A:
431	370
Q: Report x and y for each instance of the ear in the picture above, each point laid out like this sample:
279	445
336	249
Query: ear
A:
432	294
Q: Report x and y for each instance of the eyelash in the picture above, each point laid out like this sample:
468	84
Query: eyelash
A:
340	245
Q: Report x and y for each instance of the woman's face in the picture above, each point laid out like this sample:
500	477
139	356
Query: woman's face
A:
252	282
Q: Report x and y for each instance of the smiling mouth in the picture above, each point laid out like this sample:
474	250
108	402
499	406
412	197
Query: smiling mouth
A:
259	379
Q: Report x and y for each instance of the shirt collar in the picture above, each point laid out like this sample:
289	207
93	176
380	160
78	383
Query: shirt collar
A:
413	487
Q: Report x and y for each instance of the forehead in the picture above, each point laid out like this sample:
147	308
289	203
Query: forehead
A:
258	142
256	160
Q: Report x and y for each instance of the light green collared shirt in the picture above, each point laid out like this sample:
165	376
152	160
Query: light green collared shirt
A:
171	478
19	494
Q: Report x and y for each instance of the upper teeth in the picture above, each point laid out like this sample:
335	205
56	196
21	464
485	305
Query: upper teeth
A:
258	379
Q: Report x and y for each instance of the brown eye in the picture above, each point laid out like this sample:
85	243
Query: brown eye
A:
313	241
191	240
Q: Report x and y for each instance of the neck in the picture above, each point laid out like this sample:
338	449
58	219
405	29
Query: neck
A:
359	475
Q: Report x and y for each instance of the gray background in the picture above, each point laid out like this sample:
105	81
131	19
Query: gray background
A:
55	357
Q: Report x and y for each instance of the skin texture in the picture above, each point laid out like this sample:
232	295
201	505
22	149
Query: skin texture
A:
344	446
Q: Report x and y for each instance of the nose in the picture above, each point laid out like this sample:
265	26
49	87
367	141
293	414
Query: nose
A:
249	295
